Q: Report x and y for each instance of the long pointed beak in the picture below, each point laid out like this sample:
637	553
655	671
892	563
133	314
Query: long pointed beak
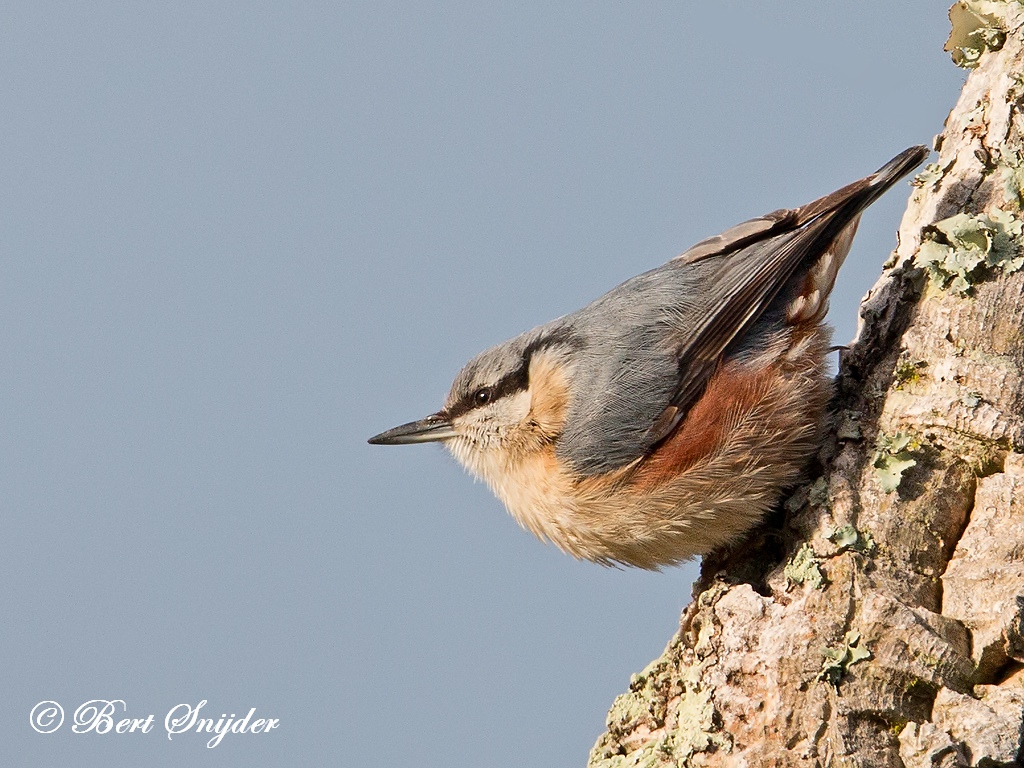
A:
431	429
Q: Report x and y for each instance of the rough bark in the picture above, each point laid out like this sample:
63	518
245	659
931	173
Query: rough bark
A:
879	619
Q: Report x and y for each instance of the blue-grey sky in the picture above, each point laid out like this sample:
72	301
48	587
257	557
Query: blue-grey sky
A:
240	238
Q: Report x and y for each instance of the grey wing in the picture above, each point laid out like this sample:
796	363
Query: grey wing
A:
747	266
651	346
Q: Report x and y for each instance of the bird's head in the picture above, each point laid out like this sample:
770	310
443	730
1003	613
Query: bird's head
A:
506	402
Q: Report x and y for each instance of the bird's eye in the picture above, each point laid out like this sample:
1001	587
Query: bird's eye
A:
482	396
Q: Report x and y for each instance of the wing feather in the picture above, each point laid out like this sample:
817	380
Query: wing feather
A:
760	256
648	347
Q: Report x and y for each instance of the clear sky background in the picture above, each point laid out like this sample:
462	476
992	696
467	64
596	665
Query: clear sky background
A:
240	238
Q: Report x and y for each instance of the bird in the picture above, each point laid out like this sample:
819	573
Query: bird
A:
663	420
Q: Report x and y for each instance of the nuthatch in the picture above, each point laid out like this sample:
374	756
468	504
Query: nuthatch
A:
665	418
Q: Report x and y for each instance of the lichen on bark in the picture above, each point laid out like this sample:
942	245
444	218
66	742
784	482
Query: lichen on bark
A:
878	619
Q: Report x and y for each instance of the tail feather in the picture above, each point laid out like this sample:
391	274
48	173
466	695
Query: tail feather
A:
836	216
845	203
862	193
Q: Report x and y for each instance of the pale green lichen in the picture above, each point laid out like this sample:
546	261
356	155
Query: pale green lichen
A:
960	251
1011	161
642	702
847	537
972	399
838	660
894	456
907	372
627	708
804	568
973	33
690	728
930	174
695	729
645	757
702	646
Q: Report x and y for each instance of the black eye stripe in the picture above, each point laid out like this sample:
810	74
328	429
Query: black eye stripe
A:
516	381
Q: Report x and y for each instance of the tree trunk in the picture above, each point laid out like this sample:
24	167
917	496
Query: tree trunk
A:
879	619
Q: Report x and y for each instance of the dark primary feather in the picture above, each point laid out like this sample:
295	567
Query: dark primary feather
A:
652	343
